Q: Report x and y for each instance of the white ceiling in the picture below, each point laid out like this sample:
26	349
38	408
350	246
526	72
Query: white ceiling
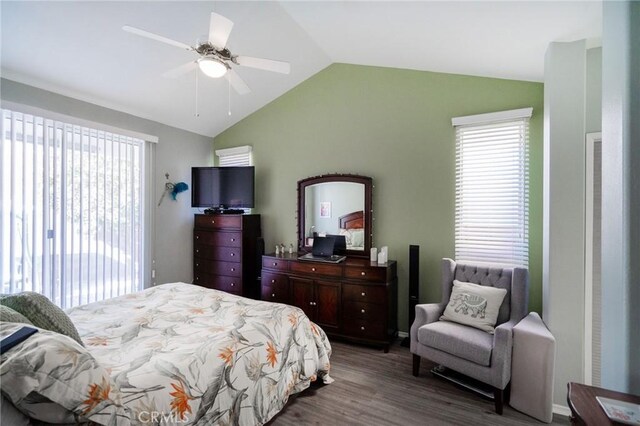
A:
79	49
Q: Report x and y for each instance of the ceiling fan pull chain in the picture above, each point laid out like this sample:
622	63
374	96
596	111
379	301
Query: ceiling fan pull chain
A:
229	98
197	114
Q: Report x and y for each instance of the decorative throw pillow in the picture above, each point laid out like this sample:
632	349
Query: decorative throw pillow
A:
42	313
51	378
9	315
474	305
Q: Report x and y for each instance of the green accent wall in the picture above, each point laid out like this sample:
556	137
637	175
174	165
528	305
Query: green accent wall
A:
395	126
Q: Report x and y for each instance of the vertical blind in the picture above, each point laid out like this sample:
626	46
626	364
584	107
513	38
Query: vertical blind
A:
71	223
492	192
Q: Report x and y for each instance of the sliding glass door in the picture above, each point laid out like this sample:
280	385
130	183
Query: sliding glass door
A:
72	210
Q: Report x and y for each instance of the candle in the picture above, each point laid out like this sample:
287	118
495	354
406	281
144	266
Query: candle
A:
374	254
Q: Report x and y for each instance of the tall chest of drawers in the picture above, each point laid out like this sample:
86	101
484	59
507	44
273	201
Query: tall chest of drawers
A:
225	252
355	300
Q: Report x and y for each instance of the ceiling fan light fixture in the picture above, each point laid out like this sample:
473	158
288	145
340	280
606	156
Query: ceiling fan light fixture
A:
212	67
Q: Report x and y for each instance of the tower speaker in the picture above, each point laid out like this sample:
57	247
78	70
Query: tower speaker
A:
259	253
414	286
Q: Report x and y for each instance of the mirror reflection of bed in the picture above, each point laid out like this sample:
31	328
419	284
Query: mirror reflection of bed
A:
335	205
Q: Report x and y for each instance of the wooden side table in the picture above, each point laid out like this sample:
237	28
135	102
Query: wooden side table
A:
585	409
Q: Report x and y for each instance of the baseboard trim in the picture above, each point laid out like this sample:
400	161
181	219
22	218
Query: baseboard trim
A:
403	334
561	410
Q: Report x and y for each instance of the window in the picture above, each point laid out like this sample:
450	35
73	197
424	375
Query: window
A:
71	224
492	188
238	156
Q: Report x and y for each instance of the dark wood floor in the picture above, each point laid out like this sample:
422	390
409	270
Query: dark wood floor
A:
374	388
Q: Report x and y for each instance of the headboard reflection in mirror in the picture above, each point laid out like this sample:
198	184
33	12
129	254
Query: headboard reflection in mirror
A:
336	204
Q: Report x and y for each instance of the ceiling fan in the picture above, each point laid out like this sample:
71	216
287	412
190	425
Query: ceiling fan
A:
215	60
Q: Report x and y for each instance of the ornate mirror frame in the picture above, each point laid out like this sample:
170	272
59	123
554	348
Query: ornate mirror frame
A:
367	213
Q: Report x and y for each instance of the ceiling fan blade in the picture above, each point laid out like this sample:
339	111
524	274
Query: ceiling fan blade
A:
219	30
181	70
237	83
264	64
152	36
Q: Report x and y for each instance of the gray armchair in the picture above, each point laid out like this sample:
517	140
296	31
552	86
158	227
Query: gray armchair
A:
467	350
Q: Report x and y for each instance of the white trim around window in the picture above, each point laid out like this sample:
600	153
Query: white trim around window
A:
492	188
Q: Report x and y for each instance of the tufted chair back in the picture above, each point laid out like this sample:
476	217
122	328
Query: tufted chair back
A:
514	280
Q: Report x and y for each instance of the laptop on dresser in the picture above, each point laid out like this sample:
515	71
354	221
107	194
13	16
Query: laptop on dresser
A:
322	251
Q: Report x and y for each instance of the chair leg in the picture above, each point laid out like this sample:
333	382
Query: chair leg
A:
498	396
416	365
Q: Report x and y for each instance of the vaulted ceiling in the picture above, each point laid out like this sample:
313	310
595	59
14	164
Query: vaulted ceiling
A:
79	48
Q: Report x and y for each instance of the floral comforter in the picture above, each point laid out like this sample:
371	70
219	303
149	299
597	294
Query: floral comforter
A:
183	354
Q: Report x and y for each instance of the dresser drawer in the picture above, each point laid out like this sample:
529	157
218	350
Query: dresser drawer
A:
206	266
275	280
230	254
277	293
363	328
219	282
362	310
219	222
275	263
315	268
218	238
363	273
364	293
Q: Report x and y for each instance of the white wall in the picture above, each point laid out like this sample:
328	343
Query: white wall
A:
593	116
563	214
176	152
621	196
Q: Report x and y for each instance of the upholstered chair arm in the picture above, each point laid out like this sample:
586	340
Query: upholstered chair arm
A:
425	314
501	355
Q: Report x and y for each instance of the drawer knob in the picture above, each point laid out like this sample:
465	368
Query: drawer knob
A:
362	311
197	237
363	273
233	254
273	295
273	281
197	251
313	269
275	263
362	328
311	303
213	221
233	284
233	269
363	293
233	239
197	264
197	278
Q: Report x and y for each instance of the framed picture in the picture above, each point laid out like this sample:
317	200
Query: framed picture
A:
325	209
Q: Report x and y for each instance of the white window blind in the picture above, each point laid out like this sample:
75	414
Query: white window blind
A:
71	224
238	156
492	188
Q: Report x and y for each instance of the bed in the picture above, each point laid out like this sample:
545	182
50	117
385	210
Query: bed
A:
352	227
193	355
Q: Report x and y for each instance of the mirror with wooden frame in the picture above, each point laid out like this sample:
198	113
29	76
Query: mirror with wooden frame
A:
336	204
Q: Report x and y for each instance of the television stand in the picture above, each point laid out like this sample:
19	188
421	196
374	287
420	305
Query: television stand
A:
223	211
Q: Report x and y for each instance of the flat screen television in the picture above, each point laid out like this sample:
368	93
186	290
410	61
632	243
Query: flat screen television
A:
222	187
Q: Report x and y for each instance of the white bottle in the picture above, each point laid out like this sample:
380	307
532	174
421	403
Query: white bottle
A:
277	249
290	248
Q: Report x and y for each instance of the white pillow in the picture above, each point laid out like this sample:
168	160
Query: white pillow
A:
357	237
474	305
347	235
